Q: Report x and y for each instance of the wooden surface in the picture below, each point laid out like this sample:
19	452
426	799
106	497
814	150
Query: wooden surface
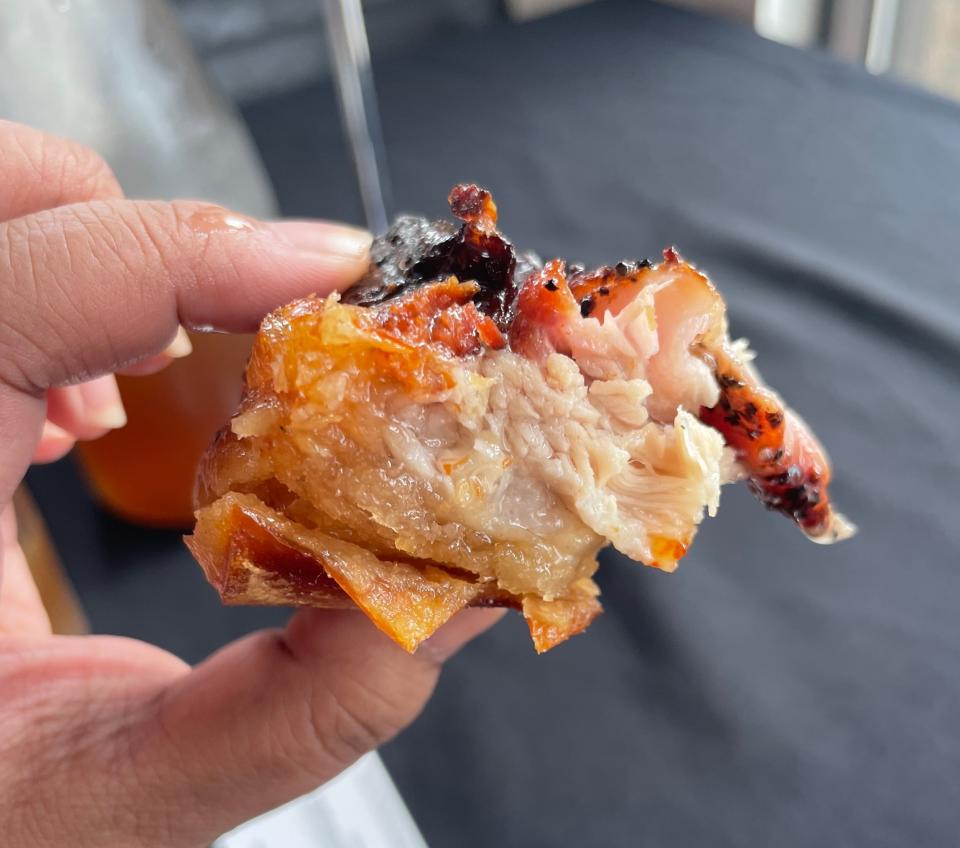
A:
59	598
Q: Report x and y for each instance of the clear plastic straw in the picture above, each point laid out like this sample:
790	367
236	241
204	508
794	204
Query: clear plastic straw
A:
347	38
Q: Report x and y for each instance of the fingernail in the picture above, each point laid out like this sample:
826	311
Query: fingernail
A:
323	237
102	406
462	628
54	433
180	346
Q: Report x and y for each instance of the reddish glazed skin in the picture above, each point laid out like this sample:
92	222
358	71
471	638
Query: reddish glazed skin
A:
787	469
441	314
545	308
474	205
610	286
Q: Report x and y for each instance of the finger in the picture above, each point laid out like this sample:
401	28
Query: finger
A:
42	171
88	410
278	714
180	347
21	611
55	443
183	756
92	288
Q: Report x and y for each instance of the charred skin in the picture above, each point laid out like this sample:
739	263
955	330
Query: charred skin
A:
416	252
788	471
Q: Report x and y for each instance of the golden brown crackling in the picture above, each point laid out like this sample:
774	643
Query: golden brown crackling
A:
253	554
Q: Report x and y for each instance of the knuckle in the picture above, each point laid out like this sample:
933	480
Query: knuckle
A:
68	170
159	229
21	303
350	709
146	225
349	725
215	259
83	171
44	260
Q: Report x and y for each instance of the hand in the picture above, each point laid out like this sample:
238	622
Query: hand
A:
108	741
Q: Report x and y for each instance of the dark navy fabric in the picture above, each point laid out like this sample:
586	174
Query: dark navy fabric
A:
771	692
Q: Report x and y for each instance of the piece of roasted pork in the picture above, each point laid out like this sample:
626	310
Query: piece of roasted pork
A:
470	426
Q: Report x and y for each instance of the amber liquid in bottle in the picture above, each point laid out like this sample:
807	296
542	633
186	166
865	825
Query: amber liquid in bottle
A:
144	472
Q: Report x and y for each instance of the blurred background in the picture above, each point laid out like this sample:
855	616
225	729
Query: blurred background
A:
255	48
807	154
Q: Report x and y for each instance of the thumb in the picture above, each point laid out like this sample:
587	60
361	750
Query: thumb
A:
279	713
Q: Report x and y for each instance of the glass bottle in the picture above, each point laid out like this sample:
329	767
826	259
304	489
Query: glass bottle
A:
120	77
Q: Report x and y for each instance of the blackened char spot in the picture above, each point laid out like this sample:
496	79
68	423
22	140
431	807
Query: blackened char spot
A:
416	251
393	254
488	259
727	381
792	492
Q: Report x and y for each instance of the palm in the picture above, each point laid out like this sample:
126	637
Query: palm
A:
182	754
61	693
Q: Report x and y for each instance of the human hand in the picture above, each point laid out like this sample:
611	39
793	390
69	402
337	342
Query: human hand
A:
107	741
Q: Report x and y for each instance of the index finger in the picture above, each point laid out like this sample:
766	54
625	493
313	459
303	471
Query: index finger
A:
90	288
